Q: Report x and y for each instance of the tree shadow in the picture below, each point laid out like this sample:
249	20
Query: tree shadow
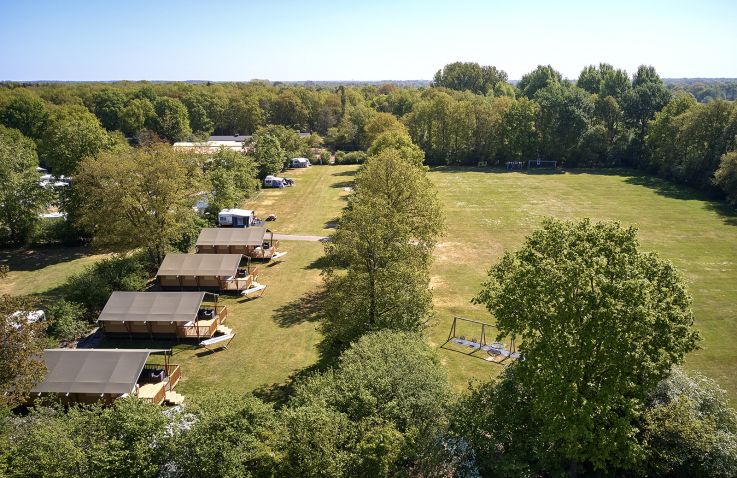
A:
31	259
671	190
308	308
332	223
665	188
350	172
343	184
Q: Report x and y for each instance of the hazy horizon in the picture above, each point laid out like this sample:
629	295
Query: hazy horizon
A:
323	40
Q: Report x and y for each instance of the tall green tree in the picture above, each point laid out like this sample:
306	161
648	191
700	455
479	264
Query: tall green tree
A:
726	176
601	324
21	197
230	436
233	178
541	77
139	197
109	105
26	112
172	119
137	115
270	156
565	115
72	134
378	260
471	77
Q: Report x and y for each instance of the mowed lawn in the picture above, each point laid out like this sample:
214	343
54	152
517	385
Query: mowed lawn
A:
491	211
487	212
276	335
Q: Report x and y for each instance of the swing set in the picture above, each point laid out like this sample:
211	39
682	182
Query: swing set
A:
496	351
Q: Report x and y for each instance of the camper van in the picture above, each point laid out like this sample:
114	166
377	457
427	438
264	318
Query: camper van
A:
236	218
299	163
277	182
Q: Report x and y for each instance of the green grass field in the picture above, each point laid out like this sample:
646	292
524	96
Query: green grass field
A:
487	212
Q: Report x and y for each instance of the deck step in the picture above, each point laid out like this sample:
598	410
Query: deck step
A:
174	398
224	330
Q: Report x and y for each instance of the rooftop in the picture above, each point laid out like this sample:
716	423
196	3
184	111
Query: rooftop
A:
95	371
152	307
221	265
247	236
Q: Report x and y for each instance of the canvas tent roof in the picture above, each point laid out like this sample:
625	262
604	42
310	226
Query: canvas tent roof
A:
247	236
94	371
152	306
222	265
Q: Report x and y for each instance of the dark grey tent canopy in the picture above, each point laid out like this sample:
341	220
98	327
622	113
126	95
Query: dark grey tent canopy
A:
246	236
221	265
152	307
94	371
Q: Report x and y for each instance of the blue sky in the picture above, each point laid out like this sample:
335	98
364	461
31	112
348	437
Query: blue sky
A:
370	40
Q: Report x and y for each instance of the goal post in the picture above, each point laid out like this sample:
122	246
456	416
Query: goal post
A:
542	164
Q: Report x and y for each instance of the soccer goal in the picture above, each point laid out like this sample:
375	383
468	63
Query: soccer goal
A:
542	164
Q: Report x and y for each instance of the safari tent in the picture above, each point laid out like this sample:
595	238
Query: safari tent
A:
211	272
149	315
104	375
253	242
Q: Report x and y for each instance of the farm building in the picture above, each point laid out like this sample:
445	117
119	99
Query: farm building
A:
299	163
236	218
253	242
213	272
184	315
104	375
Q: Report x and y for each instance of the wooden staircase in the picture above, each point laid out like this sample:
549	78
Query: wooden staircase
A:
173	398
223	330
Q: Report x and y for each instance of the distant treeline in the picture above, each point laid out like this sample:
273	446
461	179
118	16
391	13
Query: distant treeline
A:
470	114
705	89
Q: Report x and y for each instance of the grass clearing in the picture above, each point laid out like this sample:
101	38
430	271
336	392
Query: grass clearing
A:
487	213
491	211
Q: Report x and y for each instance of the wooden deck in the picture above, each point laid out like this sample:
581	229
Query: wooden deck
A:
153	392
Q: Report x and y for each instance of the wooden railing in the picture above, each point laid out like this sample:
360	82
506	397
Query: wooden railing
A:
222	312
237	284
197	330
172	372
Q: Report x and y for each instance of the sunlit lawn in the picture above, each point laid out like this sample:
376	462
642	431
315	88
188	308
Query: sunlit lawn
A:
487	212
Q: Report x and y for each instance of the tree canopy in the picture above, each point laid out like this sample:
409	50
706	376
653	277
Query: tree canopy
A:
601	323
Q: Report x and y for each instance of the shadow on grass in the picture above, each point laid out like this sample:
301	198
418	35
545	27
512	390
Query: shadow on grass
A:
331	224
308	308
343	184
668	189
31	259
278	394
350	172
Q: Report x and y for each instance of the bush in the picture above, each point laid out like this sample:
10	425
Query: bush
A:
93	286
354	157
340	157
66	320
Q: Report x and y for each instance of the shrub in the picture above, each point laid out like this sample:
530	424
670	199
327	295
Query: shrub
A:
354	157
66	320
340	157
93	286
